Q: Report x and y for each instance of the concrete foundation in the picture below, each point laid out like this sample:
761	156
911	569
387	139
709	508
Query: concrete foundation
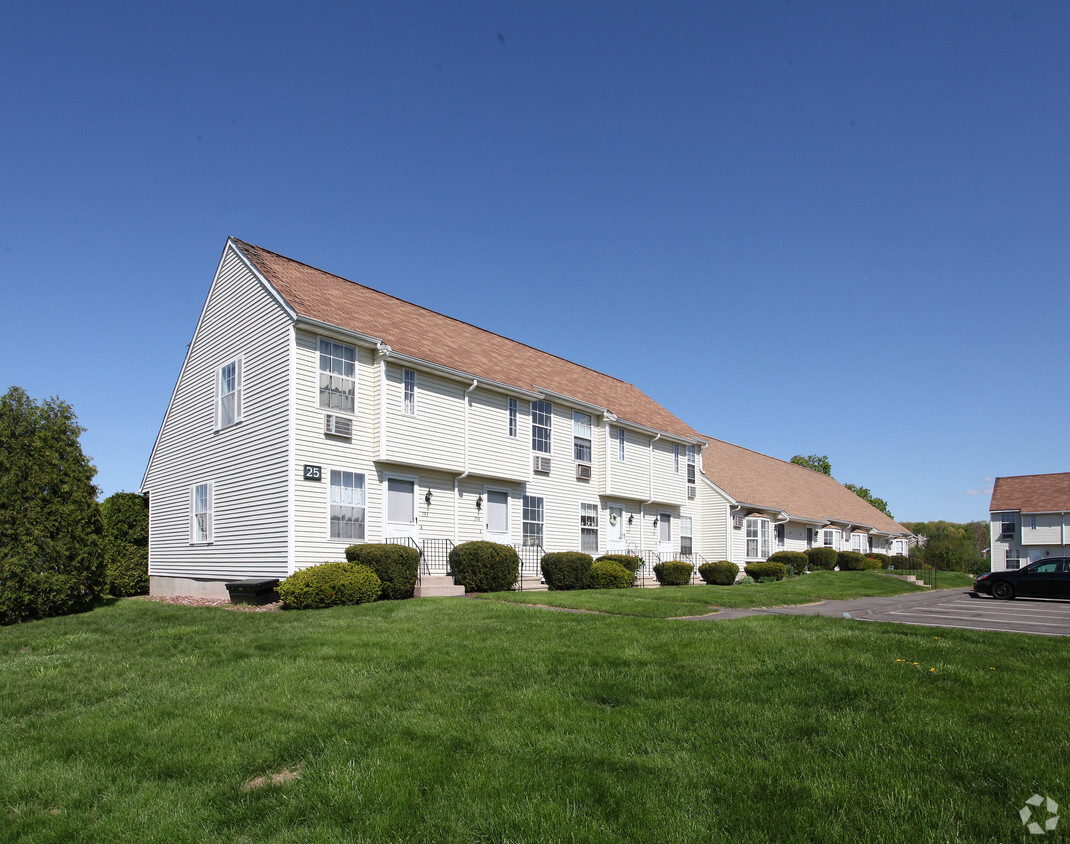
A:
168	587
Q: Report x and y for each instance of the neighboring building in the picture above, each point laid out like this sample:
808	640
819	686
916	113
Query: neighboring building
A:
756	505
1030	519
312	413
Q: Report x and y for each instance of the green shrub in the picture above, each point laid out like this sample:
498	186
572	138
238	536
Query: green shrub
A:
125	518
821	558
329	585
396	566
128	569
564	570
795	561
606	574
884	559
978	567
673	573
746	580
629	561
485	566
855	561
721	573
766	570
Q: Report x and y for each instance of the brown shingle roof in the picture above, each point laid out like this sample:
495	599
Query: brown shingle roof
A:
433	337
758	479
1032	493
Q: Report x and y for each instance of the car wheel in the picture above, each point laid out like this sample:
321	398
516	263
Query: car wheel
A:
1002	589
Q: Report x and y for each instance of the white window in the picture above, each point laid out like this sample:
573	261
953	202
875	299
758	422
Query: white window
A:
757	538
347	506
860	543
408	378
228	394
581	436
533	520
685	536
828	538
513	411
691	451
676	458
338	377
1032	522
542	414
201	506
589	528
1008	524
1013	559
620	444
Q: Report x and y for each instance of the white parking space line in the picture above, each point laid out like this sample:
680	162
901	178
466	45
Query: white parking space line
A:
997	612
977	619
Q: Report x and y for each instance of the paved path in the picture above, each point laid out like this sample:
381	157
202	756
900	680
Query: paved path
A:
941	608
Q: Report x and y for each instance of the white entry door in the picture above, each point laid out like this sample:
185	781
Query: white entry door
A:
496	528
615	543
665	535
401	509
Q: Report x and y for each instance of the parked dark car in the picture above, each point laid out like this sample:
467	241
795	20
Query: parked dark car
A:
1048	578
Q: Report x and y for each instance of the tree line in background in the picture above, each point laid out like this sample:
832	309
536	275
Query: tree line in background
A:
60	550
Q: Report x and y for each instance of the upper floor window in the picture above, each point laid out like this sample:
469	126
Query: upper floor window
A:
1032	522
542	414
408	378
676	457
201	506
347	506
620	444
757	538
338	377
1008	524
228	394
691	462
513	413
581	436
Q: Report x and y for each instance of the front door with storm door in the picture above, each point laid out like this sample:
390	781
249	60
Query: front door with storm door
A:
665	536
496	526
401	509
615	542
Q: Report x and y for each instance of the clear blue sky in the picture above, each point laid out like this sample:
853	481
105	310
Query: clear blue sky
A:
833	228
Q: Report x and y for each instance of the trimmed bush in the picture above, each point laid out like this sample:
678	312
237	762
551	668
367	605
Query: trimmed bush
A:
746	580
629	561
673	573
485	566
721	573
796	561
766	570
821	558
329	585
128	569
856	561
565	570
396	566
606	574
125	516
885	559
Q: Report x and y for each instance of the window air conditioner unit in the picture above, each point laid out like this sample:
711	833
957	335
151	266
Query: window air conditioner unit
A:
737	522
691	491
541	464
337	426
583	471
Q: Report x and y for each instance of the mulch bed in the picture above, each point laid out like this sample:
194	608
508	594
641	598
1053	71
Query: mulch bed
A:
222	603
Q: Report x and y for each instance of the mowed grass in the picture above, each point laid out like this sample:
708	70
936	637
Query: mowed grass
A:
466	720
682	601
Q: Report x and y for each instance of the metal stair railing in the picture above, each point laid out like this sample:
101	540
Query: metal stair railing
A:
530	564
436	556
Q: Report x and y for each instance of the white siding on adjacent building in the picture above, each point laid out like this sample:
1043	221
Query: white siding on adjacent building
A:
245	462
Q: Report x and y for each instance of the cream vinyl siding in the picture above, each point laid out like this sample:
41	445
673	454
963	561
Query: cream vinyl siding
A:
434	436
492	452
711	531
1049	529
630	479
669	487
311	446
246	462
794	537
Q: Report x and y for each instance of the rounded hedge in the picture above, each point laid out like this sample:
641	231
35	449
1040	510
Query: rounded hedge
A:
796	559
721	573
329	585
485	566
855	561
396	566
763	571
607	574
629	561
563	570
821	557
673	573
128	569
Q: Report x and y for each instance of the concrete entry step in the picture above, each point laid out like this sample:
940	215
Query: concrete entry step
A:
437	585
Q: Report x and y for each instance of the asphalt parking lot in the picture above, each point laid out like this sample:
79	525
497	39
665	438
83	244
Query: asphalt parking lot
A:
941	608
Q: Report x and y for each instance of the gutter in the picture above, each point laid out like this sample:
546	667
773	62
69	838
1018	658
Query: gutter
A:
464	474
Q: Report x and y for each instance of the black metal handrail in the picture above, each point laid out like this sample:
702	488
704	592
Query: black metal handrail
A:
436	556
530	564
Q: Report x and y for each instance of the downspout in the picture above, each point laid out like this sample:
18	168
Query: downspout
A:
642	507
384	352
464	474
732	508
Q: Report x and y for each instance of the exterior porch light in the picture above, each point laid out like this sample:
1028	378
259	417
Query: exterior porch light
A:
655	521
631	518
479	503
427	498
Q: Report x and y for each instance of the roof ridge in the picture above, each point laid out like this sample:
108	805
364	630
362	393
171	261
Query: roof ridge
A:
1035	475
243	243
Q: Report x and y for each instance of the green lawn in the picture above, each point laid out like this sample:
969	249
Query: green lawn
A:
679	601
476	720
